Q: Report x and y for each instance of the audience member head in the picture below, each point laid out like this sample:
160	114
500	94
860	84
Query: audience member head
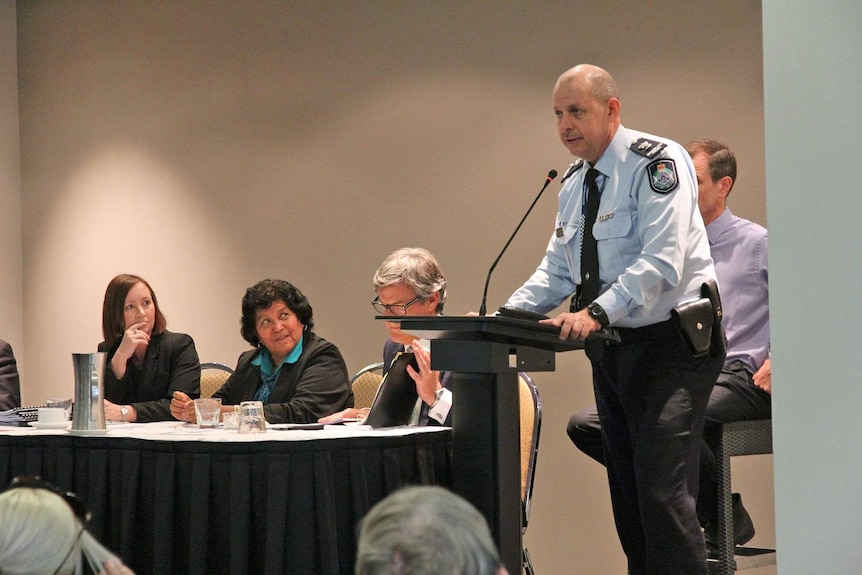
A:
409	282
417	269
587	106
715	166
40	529
426	531
129	299
274	315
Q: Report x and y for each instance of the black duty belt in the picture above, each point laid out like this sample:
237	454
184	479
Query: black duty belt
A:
648	332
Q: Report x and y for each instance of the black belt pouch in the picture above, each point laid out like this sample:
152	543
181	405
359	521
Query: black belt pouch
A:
693	321
699	322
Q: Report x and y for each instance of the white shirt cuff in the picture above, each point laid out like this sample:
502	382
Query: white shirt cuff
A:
441	410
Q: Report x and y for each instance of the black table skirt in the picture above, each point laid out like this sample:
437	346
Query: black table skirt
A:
208	508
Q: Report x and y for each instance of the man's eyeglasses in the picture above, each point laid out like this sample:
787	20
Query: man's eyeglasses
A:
79	508
394	308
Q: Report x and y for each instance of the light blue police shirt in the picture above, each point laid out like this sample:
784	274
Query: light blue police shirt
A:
652	244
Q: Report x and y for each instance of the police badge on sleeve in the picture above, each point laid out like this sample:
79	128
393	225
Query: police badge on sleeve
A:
662	176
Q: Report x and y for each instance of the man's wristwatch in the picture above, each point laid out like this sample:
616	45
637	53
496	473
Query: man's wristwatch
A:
439	394
124	412
597	312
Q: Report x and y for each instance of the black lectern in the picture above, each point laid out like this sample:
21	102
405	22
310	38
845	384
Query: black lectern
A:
486	353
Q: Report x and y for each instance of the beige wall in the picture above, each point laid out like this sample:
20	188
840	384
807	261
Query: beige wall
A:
207	145
11	278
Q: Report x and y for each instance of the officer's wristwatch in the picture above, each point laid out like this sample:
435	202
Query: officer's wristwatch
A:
124	412
597	312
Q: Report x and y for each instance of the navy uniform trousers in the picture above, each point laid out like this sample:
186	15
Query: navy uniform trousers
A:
651	396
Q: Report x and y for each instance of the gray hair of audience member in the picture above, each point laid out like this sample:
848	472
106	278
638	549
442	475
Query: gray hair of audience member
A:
416	268
425	531
39	533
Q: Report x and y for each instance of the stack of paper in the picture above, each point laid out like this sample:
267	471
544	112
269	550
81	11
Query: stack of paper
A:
19	415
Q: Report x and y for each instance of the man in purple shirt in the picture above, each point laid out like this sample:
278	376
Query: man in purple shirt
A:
742	391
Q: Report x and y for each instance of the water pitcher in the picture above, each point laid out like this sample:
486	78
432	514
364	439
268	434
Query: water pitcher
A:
89	411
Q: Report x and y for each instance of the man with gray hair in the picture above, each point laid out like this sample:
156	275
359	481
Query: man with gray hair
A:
426	531
409	282
44	530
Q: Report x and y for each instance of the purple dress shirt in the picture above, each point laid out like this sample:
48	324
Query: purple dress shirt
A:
739	250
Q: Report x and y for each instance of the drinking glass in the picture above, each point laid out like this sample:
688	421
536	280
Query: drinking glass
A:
207	411
251	419
231	420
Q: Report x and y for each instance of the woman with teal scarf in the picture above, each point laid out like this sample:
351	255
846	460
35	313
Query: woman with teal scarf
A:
298	375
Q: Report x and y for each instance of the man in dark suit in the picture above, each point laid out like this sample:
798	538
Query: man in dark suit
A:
409	282
10	387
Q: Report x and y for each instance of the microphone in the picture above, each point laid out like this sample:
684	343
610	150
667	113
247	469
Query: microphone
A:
551	175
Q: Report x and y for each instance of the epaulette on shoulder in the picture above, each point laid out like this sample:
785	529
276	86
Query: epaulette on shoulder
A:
647	148
572	169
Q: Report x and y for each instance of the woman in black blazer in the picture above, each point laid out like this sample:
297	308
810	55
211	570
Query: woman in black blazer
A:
146	363
298	375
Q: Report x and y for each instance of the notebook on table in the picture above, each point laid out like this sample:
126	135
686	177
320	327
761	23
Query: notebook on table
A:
19	415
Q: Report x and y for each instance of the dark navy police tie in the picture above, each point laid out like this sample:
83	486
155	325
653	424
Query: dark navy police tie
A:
589	249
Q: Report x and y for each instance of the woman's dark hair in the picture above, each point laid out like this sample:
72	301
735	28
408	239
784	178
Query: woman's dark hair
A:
113	322
265	293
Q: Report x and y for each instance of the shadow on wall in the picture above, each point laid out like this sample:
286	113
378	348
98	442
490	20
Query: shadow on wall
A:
124	211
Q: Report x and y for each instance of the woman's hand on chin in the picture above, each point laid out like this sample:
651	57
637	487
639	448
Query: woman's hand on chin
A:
133	338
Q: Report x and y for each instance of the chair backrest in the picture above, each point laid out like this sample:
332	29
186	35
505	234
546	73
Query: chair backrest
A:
531	425
365	383
213	376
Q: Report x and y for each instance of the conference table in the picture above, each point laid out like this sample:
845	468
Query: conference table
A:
171	498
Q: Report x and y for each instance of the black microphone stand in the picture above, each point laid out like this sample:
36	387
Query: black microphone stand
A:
551	175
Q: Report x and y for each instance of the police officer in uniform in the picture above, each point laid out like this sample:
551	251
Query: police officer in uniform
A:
653	255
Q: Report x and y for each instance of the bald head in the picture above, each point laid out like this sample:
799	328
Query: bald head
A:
597	81
586	103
